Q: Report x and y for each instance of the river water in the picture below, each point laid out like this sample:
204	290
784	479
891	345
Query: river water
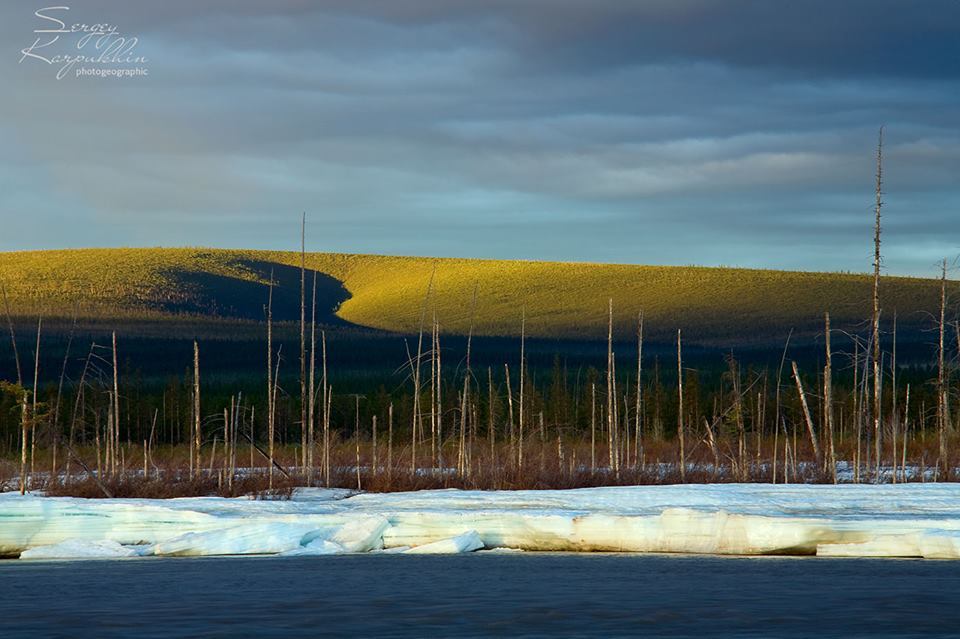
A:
482	594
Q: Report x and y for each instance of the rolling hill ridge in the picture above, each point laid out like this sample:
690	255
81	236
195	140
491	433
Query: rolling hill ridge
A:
558	299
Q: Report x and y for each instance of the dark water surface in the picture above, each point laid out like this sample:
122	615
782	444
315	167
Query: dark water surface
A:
525	594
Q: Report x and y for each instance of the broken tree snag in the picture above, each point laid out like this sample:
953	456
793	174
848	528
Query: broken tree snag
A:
806	414
683	460
828	399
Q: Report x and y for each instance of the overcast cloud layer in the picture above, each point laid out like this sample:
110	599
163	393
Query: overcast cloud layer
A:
660	131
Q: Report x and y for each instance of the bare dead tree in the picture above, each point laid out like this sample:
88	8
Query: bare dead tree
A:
828	399
325	409
116	406
906	431
857	411
941	376
437	409
303	342
638	434
611	423
510	426
712	443
55	420
491	433
24	421
24	426
680	428
196	405
894	413
417	424
777	418
312	386
523	367
593	428
36	383
806	415
876	306
375	466
270	412
465	402
357	438
738	419
434	349
78	401
13	334
390	441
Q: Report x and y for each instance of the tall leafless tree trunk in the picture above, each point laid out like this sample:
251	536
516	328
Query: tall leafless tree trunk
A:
828	399
523	368
680	428
24	426
303	342
777	416
941	377
55	420
325	409
906	430
894	413
876	307
464	452
312	386
416	376
738	418
611	405
357	438
857	411
438	407
491	433
390	441
79	402
638	434
13	334
510	426
196	405
270	411
593	428
433	391
34	418
375	466
24	421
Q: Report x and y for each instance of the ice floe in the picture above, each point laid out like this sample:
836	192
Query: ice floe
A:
78	549
467	542
904	520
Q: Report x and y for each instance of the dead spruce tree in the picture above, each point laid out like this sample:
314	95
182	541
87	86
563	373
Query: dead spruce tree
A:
828	399
876	308
270	393
312	387
611	405
806	415
303	343
638	430
195	455
942	417
683	458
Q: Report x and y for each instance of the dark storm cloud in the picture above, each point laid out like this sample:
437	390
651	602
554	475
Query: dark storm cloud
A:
673	131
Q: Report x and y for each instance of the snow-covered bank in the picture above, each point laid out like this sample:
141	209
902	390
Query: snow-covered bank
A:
906	520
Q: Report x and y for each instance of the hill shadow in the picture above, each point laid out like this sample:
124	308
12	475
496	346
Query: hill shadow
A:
216	295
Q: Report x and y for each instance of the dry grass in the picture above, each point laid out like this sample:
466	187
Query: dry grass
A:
543	469
169	486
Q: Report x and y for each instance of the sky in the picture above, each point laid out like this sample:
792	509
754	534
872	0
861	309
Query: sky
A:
733	132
